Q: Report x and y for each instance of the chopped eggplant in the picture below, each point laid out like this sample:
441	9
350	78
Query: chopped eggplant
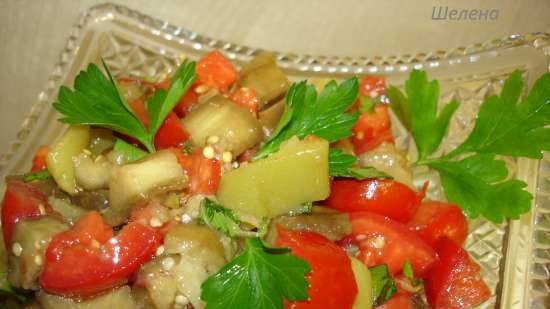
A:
60	158
270	116
101	140
119	298
3	255
30	239
92	174
64	206
236	127
159	284
296	174
390	160
159	172
263	75
92	200
363	300
332	225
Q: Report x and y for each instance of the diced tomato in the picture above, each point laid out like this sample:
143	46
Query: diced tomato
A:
399	300
436	220
187	100
383	241
215	71
246	98
382	196
454	282
141	111
372	86
21	201
170	133
203	174
331	280
39	160
87	259
372	129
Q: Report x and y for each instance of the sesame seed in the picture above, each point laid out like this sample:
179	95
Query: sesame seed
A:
98	158
155	222
168	263
360	237
86	152
160	250
201	89
373	94
208	152
360	135
181	300
378	242
16	249
38	260
37	245
214	139
227	157
235	164
41	209
185	218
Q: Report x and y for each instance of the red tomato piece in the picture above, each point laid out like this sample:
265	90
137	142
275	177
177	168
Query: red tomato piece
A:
399	300
372	129
246	98
436	220
454	282
141	111
383	241
39	160
215	71
248	154
331	280
170	133
382	196
203	174
184	104
87	259
372	86
21	201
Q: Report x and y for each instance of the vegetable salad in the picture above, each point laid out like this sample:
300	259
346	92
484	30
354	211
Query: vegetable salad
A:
235	188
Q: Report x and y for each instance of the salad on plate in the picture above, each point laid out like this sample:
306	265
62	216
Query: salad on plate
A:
234	188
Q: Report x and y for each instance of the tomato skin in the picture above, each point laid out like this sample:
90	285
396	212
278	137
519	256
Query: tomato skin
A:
383	241
138	106
21	201
331	280
215	71
184	104
382	196
372	86
170	133
39	160
203	174
454	281
436	220
88	260
246	98
372	129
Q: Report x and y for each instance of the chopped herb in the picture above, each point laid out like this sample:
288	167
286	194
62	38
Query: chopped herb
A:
476	180
39	175
97	101
306	208
306	114
131	153
409	274
224	220
383	285
366	104
259	277
5	287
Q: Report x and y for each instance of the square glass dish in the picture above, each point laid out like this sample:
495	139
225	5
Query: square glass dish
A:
514	256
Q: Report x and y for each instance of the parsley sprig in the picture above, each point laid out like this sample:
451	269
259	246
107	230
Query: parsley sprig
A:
97	101
471	175
306	114
344	165
260	277
225	220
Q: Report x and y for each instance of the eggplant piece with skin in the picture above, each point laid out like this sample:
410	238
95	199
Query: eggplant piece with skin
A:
263	76
236	128
120	298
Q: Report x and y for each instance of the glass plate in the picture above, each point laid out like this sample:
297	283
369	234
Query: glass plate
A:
514	256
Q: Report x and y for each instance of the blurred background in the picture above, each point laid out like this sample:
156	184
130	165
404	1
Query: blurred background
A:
34	32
